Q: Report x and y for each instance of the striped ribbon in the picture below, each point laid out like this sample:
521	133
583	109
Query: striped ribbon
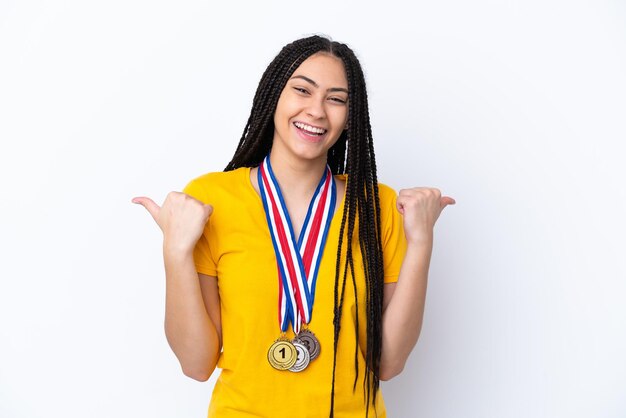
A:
298	260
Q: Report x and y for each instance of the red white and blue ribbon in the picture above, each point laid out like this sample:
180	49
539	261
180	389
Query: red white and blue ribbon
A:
298	260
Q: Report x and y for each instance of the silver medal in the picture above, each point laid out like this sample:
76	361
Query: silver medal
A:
303	357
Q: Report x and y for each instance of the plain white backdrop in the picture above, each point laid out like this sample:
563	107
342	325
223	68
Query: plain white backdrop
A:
515	108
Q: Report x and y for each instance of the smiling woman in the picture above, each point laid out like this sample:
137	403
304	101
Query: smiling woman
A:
294	271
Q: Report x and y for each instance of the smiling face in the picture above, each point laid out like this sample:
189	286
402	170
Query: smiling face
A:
312	109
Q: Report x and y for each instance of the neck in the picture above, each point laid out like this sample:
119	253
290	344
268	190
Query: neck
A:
296	176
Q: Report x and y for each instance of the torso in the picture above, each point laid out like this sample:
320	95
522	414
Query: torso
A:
237	249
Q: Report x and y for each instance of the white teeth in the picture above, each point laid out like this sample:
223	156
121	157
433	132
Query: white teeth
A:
310	128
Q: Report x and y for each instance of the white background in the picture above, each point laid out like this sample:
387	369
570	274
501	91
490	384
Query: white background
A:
516	109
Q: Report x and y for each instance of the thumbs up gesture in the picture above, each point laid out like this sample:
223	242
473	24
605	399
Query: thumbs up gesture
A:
181	218
420	208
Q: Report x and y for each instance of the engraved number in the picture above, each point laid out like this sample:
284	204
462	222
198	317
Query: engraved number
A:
282	351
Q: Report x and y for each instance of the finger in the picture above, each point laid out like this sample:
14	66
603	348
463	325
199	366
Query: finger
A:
149	204
447	200
400	204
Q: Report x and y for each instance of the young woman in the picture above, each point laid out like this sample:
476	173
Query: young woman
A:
293	270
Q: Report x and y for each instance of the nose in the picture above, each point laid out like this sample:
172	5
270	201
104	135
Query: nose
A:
316	109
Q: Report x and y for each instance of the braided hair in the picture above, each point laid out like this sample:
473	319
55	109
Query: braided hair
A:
352	154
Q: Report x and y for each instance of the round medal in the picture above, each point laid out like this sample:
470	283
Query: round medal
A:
282	354
311	342
303	357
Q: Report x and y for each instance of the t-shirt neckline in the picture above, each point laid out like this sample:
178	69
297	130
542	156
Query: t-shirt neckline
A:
246	172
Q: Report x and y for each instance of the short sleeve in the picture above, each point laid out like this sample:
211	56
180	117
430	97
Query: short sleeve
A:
392	231
203	259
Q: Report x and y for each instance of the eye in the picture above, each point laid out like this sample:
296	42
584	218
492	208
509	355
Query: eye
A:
301	90
338	100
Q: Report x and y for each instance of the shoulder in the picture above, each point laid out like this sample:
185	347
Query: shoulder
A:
388	210
217	178
386	193
213	183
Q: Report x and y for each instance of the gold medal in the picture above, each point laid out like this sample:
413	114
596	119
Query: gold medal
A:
282	354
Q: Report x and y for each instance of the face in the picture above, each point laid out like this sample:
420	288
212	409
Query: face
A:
312	110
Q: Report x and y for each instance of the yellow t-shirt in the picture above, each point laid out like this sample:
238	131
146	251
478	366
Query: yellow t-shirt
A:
236	248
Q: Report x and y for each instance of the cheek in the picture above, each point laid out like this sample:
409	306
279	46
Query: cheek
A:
284	111
341	119
280	116
281	108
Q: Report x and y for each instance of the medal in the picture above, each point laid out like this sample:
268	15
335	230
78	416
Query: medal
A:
283	354
310	341
303	357
298	264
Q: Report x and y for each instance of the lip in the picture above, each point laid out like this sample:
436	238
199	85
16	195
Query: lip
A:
306	136
310	124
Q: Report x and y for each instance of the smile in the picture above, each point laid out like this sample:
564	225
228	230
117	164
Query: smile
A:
313	130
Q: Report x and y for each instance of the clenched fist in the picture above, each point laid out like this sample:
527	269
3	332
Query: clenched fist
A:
181	218
420	208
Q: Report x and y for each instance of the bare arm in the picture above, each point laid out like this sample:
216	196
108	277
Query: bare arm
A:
192	306
403	311
192	316
404	301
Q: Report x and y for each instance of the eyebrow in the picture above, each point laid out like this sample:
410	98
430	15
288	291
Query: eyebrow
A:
308	80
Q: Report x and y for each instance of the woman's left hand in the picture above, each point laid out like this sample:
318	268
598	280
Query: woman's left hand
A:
420	207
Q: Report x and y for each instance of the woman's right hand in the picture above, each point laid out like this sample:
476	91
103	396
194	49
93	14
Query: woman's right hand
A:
181	218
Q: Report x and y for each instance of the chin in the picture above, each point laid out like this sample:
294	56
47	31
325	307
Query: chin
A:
311	154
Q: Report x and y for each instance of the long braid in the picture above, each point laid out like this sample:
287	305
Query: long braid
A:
355	167
349	214
369	232
352	154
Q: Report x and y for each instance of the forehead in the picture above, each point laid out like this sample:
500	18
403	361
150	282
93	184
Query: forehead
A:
325	69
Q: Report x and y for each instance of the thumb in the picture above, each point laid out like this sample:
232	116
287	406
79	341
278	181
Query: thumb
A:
150	206
447	200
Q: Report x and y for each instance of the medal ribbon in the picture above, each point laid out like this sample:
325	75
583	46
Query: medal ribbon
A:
298	261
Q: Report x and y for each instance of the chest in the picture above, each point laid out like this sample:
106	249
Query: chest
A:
248	271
